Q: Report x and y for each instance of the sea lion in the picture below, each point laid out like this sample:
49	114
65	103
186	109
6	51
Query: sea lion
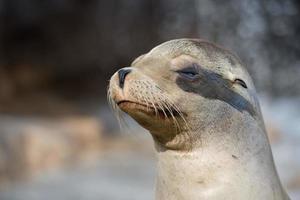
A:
199	103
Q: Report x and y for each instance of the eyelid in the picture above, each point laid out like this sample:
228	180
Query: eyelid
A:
240	82
192	69
188	73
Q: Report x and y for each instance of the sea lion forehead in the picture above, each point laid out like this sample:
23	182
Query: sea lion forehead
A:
194	47
206	54
174	48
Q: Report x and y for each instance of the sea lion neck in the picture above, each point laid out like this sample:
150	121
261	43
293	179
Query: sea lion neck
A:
176	142
218	129
233	164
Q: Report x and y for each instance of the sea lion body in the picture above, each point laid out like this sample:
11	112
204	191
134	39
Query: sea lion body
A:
200	105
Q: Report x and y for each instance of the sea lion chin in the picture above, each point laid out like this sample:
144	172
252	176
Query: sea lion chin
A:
199	103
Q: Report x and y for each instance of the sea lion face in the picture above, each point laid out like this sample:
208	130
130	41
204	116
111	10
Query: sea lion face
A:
183	84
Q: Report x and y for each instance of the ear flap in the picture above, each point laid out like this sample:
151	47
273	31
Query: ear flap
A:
240	82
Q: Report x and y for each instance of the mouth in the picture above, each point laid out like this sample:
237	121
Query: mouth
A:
126	105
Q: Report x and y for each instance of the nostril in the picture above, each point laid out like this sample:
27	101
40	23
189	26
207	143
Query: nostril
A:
122	75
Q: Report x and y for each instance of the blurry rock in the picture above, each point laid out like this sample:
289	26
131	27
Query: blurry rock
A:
28	146
41	104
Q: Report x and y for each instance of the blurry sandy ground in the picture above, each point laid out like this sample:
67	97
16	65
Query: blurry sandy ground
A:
125	170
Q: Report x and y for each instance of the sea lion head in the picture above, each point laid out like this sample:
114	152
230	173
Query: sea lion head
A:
184	86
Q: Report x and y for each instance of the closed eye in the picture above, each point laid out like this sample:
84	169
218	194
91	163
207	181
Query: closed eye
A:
240	82
188	73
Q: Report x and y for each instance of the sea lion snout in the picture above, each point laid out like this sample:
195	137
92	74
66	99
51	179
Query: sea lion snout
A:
139	93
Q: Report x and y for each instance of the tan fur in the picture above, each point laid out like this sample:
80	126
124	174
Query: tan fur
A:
208	132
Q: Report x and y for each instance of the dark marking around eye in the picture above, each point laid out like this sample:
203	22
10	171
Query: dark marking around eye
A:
213	86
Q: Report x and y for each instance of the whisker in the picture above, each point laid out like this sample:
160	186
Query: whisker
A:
153	104
116	110
172	115
162	109
178	111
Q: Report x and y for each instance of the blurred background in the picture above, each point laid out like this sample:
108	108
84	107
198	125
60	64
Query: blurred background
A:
58	137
